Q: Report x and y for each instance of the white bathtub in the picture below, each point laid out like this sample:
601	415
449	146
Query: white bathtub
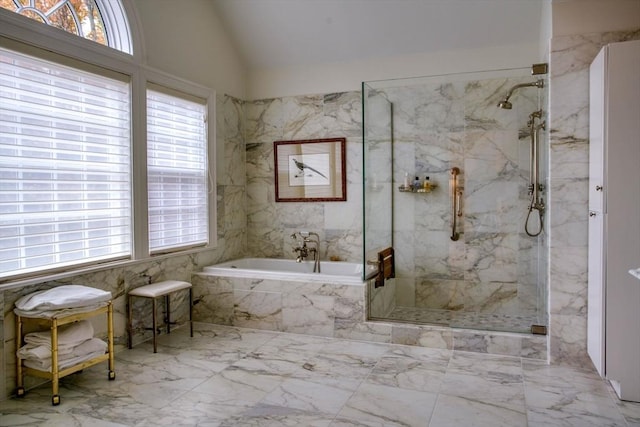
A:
285	269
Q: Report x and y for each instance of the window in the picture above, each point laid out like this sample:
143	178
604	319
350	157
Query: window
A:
98	166
102	21
65	189
176	170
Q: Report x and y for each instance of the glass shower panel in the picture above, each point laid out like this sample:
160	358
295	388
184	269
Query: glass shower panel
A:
378	190
493	277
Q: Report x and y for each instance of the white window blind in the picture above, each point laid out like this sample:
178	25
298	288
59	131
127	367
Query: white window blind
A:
64	166
176	170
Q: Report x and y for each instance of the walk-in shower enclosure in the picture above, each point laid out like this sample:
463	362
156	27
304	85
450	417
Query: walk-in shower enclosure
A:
494	276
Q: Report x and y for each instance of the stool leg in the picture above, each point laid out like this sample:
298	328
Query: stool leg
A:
191	311
168	308
130	321
155	325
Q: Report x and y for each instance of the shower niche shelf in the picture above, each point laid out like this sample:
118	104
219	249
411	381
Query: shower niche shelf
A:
404	189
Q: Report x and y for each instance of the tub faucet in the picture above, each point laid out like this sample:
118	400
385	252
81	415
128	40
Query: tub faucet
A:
304	251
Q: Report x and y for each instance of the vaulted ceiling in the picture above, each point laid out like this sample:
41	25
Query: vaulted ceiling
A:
290	33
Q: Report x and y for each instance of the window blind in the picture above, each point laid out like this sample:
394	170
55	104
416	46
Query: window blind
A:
176	170
65	168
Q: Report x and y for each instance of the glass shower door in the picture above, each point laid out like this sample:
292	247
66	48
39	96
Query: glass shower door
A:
377	192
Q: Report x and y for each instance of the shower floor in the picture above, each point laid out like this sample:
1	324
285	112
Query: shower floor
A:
466	320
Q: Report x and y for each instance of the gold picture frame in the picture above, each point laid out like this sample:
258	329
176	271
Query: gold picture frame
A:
310	170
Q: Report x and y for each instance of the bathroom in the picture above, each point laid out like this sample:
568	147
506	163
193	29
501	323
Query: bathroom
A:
254	109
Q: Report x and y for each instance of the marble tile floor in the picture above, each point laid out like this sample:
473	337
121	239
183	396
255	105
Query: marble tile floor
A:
464	319
227	376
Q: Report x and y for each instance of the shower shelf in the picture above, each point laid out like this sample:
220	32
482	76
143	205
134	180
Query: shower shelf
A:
404	189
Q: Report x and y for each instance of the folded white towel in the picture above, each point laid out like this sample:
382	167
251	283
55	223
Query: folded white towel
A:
33	351
69	335
67	296
58	313
89	349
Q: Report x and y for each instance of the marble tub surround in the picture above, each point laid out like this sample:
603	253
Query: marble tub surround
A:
313	308
570	58
228	376
339	311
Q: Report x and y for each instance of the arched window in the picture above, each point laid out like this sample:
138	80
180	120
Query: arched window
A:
101	21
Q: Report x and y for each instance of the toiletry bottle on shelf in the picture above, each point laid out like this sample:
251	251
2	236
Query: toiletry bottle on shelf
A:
426	184
406	184
416	184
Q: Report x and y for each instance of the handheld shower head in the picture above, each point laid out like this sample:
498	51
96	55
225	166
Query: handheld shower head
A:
506	105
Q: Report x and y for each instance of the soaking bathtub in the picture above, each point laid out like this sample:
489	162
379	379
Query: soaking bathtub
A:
281	295
285	269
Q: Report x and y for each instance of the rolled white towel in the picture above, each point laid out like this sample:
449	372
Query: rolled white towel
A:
67	296
69	335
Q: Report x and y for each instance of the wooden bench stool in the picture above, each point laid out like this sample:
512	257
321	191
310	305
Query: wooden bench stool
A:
154	291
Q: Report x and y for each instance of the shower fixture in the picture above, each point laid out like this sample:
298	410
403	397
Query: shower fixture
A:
535	187
506	105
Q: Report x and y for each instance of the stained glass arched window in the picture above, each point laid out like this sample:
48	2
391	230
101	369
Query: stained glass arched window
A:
101	21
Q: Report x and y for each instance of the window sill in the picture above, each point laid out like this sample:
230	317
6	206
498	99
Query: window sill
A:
34	280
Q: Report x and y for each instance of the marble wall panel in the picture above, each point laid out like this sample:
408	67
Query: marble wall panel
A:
437	256
432	337
213	299
345	111
405	292
570	59
257	310
432	107
264	121
308	314
304	117
472	341
492	257
492	297
441	294
381	299
440	125
269	224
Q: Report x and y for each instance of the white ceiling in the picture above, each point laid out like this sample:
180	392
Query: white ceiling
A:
291	33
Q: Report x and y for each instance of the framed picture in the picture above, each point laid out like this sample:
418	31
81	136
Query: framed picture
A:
310	170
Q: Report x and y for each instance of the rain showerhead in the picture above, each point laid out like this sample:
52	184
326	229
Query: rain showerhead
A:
506	105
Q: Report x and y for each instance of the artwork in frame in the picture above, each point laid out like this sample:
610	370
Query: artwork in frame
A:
310	170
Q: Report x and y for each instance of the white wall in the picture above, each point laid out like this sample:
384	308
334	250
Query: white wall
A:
546	30
187	39
594	16
347	76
